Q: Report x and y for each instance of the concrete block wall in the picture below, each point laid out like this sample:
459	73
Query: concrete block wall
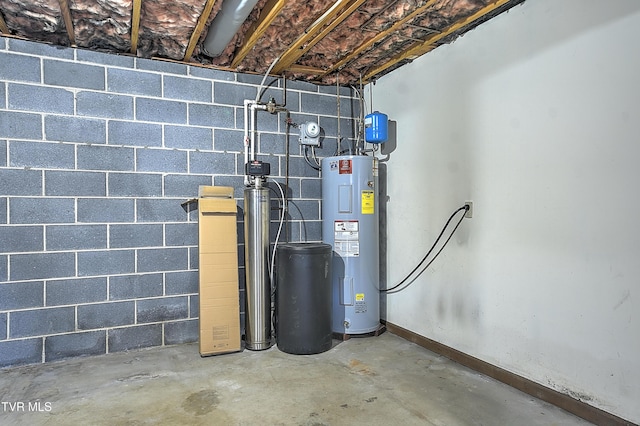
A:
97	153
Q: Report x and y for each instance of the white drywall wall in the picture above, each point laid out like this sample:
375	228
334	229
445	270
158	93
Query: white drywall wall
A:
535	116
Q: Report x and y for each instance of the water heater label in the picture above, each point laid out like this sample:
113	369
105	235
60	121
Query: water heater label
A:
368	202
346	226
346	168
346	238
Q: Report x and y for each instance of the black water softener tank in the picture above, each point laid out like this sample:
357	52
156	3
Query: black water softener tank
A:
303	298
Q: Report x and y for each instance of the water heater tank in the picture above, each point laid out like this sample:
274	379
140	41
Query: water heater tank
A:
350	225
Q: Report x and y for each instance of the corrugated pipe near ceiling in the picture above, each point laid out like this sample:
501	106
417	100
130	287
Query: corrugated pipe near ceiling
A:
225	25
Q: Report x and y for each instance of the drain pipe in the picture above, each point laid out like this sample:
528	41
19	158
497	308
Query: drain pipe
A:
226	24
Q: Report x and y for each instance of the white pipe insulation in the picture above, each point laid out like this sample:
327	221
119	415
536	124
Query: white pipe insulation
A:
226	24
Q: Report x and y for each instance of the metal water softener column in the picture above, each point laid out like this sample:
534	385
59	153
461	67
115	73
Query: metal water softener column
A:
258	288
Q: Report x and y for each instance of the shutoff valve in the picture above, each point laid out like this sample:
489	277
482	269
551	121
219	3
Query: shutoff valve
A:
309	134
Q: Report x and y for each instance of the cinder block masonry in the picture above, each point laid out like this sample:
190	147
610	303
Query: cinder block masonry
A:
97	153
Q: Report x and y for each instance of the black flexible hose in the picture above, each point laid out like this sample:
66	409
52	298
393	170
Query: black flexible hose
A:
396	288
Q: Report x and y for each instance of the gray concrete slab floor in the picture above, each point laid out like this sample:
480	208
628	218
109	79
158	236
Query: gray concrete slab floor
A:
382	380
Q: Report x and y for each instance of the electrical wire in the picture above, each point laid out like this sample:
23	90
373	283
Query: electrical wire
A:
266	74
273	260
275	246
306	158
360	122
286	163
396	288
338	105
315	157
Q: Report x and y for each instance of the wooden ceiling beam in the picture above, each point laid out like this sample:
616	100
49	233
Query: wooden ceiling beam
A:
135	25
311	36
348	11
3	26
419	49
378	37
304	69
268	13
68	22
197	31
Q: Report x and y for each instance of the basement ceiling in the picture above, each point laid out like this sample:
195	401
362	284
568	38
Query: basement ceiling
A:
322	41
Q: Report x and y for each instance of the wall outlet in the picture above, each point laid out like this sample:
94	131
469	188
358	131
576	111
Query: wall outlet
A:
469	213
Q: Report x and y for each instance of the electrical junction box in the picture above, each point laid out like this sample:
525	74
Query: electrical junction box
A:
309	134
218	271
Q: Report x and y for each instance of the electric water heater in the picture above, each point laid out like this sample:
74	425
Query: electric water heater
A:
350	225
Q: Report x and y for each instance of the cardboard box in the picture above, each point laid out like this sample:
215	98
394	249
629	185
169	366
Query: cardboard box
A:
218	271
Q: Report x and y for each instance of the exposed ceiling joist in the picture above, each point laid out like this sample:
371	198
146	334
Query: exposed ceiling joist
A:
378	37
197	31
290	55
314	40
135	25
340	11
3	26
429	44
269	12
304	69
68	22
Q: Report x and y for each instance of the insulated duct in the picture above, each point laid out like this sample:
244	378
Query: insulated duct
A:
225	25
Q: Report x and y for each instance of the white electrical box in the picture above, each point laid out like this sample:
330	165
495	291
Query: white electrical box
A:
309	134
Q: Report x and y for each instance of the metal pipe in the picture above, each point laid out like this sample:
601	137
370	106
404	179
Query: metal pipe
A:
338	106
284	92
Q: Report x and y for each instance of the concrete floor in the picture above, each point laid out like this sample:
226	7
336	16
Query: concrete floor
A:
383	380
